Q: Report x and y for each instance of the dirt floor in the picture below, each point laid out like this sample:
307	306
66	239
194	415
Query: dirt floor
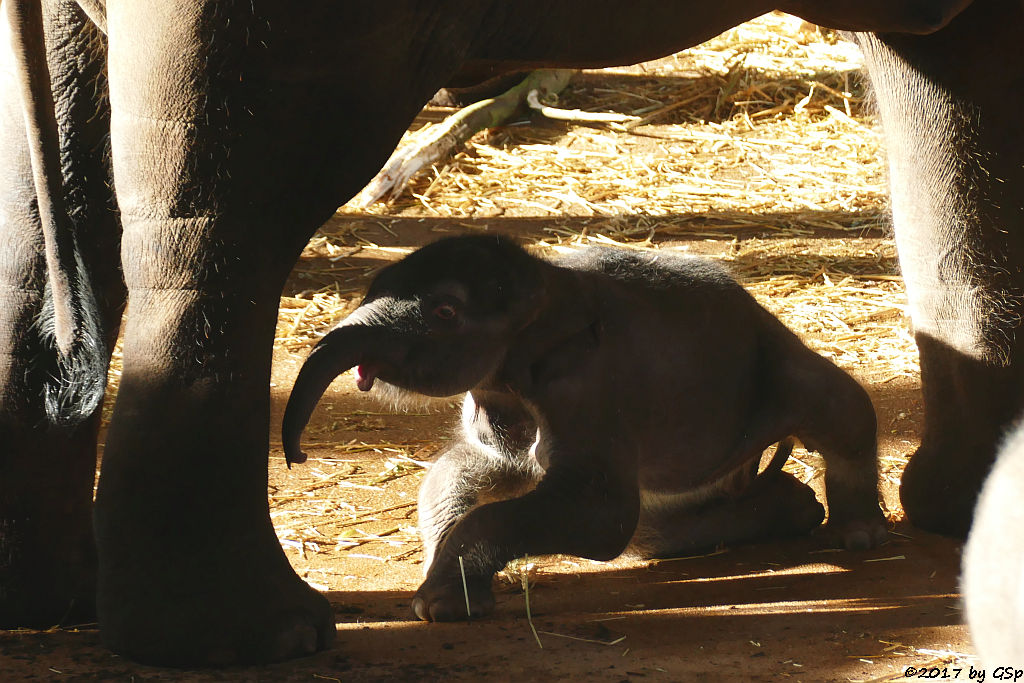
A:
816	252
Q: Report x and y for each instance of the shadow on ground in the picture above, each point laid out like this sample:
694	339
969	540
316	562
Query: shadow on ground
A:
756	613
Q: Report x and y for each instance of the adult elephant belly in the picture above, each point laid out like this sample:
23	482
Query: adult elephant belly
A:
955	155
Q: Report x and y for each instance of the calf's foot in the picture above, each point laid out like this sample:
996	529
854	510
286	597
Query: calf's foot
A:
446	599
776	506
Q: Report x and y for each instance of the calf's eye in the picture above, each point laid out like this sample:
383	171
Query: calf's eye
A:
445	312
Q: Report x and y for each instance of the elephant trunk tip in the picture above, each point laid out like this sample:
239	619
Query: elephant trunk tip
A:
292	440
294	456
341	349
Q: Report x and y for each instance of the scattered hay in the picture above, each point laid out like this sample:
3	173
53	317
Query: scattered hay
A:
767	118
311	513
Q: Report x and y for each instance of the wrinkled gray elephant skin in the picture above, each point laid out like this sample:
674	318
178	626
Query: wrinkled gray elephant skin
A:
614	399
201	143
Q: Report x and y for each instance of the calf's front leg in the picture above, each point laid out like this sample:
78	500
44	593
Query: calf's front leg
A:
577	508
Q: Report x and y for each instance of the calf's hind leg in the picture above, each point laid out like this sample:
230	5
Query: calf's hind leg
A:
776	505
836	418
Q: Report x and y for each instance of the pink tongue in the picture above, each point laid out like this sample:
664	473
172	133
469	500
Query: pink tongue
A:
365	377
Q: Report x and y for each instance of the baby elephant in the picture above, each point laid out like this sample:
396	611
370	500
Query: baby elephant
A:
615	398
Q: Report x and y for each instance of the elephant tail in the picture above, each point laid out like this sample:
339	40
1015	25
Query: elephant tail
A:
70	316
782	452
340	350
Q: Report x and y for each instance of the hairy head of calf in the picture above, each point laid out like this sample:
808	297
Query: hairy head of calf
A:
437	323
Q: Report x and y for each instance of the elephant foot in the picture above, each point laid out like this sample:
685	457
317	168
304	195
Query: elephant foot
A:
776	506
855	519
191	572
970	405
245	618
861	534
786	507
940	488
47	554
46	580
438	600
859	526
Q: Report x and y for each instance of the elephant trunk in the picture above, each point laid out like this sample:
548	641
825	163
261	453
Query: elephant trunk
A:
341	349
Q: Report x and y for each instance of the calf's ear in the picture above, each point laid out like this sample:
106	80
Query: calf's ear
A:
553	347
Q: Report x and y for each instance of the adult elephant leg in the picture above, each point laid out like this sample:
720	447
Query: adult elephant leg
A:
191	570
47	469
955	149
237	128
